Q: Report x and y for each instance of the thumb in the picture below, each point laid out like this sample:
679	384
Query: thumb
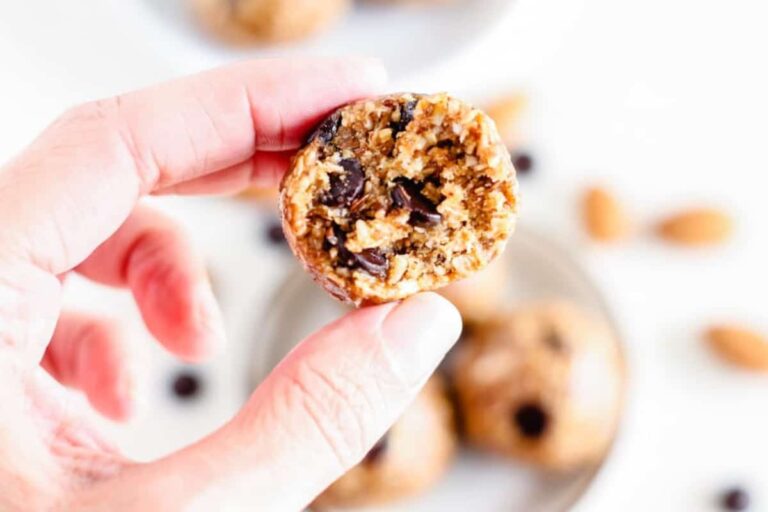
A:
313	418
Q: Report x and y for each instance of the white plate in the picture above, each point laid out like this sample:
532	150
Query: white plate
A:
406	38
539	270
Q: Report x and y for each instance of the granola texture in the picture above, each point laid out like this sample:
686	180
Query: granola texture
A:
543	384
399	194
247	21
412	456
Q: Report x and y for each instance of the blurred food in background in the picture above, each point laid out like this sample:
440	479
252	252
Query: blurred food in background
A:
408	460
276	21
542	383
263	21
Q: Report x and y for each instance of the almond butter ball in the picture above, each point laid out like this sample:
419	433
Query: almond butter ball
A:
399	194
544	384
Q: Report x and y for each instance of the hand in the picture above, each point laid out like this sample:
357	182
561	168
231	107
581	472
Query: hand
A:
71	202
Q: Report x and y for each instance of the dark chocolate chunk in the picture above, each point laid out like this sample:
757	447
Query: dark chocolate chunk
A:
373	261
531	420
186	385
555	341
275	233
445	143
735	499
406	116
523	162
347	187
377	452
327	129
406	195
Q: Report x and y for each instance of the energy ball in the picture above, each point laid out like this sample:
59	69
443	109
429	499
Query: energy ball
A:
481	295
543	384
268	20
400	194
411	457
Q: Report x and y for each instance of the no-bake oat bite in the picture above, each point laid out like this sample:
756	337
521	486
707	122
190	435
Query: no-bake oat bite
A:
399	194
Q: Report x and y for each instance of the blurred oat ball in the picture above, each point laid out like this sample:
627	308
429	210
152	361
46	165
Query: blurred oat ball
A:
243	21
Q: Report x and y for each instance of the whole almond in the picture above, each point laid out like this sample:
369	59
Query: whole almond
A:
604	217
696	227
506	113
738	345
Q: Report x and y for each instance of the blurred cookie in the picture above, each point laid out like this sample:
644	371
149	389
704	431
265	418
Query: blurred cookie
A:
243	21
411	457
399	194
543	384
480	295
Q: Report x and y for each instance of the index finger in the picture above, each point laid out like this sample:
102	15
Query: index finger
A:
91	166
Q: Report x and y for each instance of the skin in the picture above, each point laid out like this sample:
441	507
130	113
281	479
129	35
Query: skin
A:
71	202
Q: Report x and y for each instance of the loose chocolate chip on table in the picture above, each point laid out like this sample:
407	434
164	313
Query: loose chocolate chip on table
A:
735	499
186	384
275	233
347	187
531	420
407	195
406	116
523	162
327	129
376	453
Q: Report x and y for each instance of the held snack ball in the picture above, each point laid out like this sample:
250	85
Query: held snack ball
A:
544	384
400	194
409	459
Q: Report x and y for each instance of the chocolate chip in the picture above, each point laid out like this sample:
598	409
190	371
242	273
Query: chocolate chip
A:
446	143
523	162
531	420
186	385
554	341
735	499
275	233
347	187
377	452
327	129
373	261
406	194
406	116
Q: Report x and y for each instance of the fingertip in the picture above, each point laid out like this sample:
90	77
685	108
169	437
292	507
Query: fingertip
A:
424	314
369	71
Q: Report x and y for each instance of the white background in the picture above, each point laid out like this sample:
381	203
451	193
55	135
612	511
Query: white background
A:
663	100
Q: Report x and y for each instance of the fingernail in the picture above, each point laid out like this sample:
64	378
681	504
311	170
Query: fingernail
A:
419	332
373	72
210	321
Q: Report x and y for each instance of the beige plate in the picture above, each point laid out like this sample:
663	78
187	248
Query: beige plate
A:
538	270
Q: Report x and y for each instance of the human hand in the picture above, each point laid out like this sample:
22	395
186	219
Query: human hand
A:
70	202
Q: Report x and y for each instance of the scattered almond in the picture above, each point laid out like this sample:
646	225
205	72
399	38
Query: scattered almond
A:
604	217
506	113
696	227
740	346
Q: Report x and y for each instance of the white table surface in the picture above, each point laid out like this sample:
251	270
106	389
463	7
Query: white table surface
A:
663	100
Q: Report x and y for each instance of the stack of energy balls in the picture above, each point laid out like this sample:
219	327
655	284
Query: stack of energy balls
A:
411	192
272	21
